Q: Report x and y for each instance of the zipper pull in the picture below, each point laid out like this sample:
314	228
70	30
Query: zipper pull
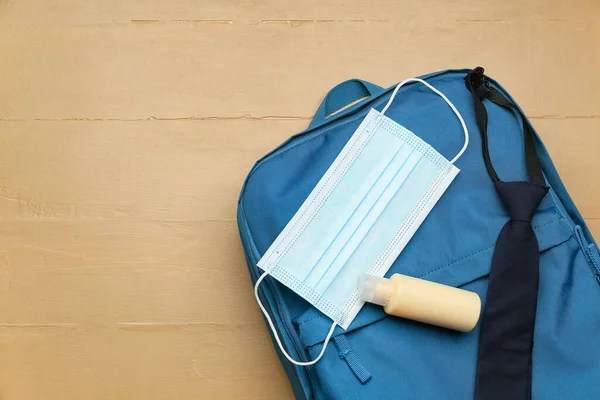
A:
347	353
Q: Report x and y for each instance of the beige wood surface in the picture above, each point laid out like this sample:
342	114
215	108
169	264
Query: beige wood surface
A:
127	128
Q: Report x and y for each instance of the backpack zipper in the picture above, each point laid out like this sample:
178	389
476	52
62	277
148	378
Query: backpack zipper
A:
253	255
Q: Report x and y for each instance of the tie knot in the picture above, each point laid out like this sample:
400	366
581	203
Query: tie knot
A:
521	199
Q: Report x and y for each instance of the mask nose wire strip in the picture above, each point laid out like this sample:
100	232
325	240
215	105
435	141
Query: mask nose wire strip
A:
264	311
443	96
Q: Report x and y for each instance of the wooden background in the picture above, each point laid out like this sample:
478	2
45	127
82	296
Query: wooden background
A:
127	128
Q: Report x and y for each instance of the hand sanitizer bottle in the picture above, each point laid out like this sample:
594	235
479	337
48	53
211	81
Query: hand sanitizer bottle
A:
422	300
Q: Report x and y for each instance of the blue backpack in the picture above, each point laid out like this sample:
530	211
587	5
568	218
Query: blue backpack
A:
384	357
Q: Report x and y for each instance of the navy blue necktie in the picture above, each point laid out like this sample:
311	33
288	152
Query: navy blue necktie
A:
504	360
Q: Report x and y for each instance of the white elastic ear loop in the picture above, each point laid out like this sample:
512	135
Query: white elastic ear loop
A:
302	364
443	96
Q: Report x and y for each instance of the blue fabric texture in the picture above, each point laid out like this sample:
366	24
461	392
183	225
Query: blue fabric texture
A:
390	358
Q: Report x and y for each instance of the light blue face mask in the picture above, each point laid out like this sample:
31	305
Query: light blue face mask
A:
359	217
